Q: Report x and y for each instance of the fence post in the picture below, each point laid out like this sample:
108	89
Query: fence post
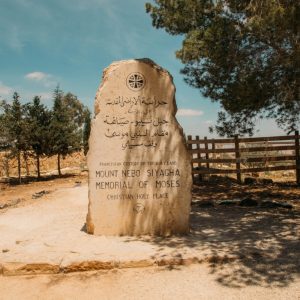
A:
199	157
297	154
206	154
190	147
213	147
237	157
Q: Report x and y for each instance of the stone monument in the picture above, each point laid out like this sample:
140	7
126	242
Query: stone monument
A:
139	167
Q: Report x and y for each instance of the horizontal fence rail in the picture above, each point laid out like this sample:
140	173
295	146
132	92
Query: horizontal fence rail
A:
245	155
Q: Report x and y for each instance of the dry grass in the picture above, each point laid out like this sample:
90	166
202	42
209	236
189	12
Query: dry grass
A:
75	161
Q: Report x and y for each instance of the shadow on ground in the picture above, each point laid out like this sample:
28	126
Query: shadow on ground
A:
227	188
265	241
244	245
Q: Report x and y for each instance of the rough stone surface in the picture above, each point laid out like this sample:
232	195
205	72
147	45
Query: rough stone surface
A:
17	268
139	167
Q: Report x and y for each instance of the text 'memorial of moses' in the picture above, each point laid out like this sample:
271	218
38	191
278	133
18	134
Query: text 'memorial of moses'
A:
139	167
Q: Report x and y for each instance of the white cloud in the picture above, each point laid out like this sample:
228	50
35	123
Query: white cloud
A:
5	90
38	76
186	112
46	79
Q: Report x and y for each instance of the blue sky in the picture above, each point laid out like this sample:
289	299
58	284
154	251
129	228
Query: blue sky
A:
70	42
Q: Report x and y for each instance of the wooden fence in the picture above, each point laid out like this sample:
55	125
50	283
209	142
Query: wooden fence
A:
247	155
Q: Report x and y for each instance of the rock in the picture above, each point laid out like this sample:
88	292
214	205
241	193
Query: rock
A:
218	179
271	204
249	202
139	167
229	202
40	194
265	181
250	180
16	268
2	206
204	204
11	203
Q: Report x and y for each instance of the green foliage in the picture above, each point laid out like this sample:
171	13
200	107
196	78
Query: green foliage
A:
39	121
33	128
15	124
39	118
86	131
66	124
3	130
243	54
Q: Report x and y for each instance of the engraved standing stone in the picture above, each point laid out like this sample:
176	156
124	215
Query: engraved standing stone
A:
139	168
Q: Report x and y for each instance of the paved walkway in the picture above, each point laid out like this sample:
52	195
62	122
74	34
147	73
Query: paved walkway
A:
49	237
261	246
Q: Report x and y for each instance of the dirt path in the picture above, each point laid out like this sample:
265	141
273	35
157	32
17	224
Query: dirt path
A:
245	252
193	282
49	233
15	195
219	188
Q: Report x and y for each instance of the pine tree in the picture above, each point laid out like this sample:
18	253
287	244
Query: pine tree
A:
3	130
66	125
86	131
243	54
16	125
39	122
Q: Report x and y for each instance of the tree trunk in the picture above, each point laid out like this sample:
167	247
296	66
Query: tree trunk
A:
6	166
26	163
38	166
58	164
19	167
